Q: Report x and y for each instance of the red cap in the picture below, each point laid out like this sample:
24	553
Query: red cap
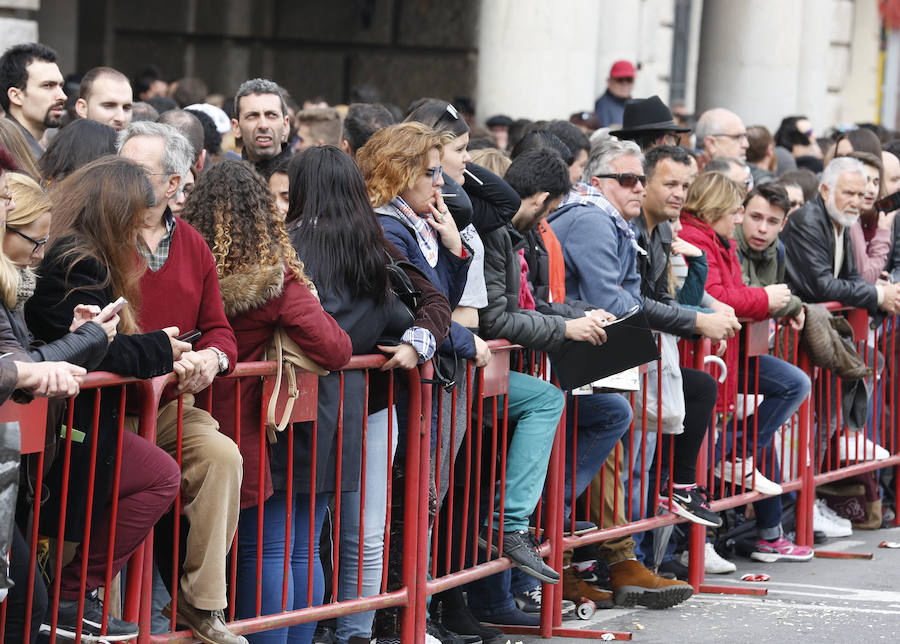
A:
622	69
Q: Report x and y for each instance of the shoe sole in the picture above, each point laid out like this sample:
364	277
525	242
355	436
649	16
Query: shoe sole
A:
628	596
528	570
748	486
599	603
772	557
167	613
62	631
682	511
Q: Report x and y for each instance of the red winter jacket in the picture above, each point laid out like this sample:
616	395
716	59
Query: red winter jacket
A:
724	282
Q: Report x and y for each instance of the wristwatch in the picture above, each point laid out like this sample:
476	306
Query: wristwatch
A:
223	361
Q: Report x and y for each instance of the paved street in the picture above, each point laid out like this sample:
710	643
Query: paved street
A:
824	600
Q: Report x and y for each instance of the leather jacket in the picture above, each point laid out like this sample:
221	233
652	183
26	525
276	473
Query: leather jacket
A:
663	312
809	239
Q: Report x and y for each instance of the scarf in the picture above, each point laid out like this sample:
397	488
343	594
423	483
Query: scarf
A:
585	193
425	235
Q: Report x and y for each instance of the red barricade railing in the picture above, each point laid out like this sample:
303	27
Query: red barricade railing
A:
466	465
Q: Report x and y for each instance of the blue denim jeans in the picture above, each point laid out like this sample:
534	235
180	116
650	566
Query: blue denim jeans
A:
784	387
274	528
377	475
602	420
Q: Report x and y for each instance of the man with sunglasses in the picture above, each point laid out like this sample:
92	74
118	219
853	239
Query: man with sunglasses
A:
610	107
600	249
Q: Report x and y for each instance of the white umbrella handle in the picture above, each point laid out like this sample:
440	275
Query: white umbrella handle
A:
723	368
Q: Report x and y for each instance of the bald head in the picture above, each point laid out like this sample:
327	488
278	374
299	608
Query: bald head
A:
721	133
891	172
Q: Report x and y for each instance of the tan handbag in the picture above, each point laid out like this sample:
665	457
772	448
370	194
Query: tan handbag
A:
289	357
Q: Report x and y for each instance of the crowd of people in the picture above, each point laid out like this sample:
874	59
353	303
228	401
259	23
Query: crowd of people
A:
137	211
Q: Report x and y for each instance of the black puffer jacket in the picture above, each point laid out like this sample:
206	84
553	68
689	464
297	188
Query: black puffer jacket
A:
809	253
502	317
663	311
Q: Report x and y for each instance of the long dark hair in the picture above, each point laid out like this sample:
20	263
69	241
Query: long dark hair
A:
333	227
97	213
77	144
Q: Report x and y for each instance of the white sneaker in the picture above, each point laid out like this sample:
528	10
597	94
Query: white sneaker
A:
826	525
825	509
753	479
856	447
714	563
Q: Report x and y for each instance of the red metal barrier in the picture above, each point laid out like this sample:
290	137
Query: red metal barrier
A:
446	554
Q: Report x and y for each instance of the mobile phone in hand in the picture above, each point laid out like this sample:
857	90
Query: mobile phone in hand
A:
189	336
118	305
889	203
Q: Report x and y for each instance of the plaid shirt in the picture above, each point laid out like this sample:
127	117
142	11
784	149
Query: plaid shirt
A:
421	340
157	259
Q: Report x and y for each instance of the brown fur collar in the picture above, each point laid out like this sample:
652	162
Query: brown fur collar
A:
242	292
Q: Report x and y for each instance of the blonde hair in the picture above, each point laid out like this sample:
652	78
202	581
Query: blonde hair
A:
395	157
713	195
31	200
15	142
493	159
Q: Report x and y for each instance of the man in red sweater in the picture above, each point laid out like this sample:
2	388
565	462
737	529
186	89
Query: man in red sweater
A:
181	288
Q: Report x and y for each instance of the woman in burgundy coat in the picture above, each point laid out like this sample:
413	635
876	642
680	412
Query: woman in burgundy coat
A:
263	287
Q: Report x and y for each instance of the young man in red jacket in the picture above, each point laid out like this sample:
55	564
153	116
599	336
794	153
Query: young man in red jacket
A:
181	288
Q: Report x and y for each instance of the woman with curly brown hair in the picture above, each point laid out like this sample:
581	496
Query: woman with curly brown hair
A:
264	287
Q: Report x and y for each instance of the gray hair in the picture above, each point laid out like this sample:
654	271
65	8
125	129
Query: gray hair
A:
839	166
604	153
178	153
257	86
707	125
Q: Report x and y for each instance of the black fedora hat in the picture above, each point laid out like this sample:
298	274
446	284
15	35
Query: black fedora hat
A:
647	115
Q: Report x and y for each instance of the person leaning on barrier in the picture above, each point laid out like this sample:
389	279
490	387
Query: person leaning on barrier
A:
670	172
541	179
177	291
600	249
818	252
264	287
335	232
401	166
97	212
710	224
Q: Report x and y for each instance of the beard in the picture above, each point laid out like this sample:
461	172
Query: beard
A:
840	217
51	120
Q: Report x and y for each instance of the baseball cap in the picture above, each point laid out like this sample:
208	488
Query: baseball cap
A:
622	69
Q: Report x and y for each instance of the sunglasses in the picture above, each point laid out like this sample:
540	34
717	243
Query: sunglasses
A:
626	179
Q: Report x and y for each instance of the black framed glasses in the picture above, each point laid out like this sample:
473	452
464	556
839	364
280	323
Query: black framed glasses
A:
37	242
625	179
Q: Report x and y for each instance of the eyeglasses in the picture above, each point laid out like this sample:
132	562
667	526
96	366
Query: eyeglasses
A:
735	137
434	174
37	242
629	79
671	138
626	179
8	196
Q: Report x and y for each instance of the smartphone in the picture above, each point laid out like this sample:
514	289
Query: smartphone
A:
118	305
889	203
190	336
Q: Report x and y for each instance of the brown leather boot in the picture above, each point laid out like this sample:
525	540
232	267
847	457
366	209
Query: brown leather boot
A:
207	625
633	584
574	588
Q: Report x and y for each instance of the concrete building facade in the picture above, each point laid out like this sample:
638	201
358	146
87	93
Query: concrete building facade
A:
762	58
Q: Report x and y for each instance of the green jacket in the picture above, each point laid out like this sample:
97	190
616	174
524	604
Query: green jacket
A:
762	268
